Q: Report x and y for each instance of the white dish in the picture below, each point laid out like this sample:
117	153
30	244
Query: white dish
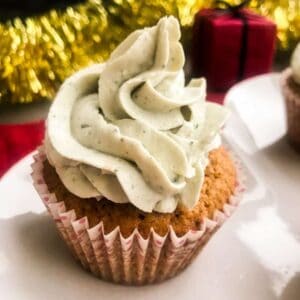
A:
35	264
260	104
255	255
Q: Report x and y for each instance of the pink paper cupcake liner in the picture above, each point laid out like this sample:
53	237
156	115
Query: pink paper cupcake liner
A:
292	101
132	260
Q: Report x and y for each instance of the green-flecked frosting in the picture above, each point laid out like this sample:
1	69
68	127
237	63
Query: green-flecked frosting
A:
130	130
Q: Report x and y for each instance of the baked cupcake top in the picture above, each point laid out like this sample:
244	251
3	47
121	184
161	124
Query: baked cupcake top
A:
130	130
295	64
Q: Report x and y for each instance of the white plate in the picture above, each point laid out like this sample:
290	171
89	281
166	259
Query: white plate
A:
255	255
260	104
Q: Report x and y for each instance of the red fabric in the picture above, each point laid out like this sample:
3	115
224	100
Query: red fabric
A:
216	97
17	140
217	43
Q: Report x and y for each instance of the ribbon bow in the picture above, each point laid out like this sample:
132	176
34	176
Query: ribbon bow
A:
232	8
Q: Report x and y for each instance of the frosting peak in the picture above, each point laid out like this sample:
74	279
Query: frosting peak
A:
130	130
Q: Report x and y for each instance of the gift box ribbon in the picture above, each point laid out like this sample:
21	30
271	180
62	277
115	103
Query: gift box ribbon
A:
237	12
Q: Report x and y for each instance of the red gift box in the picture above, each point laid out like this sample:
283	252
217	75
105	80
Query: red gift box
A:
231	45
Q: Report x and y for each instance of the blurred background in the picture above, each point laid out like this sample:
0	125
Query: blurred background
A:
43	42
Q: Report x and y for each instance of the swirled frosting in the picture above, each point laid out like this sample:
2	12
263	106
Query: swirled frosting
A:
130	130
295	64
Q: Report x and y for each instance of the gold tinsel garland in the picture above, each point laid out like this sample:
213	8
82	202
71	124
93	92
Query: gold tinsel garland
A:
38	53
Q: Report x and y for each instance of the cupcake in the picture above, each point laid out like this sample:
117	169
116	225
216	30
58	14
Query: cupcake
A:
132	169
290	82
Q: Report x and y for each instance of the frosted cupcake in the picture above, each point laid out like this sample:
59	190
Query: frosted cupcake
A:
132	170
291	90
